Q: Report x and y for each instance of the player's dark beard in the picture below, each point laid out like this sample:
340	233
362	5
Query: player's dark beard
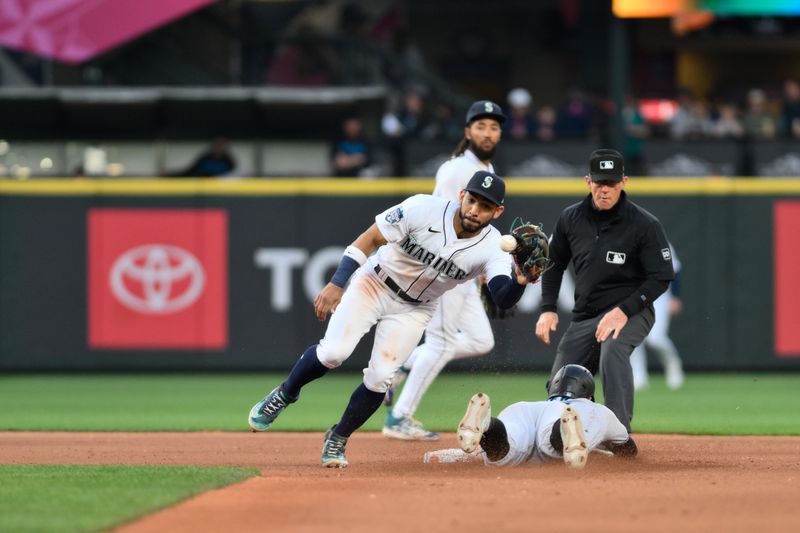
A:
462	217
483	155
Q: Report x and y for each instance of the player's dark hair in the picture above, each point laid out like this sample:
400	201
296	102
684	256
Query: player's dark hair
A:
461	147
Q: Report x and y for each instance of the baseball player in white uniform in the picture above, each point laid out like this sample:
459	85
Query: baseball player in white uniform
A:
565	427
666	305
425	246
459	327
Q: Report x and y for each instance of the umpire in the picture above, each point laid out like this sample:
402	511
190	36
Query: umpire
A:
622	264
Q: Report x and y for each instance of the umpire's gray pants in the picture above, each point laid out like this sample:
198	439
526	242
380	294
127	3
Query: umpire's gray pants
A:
611	358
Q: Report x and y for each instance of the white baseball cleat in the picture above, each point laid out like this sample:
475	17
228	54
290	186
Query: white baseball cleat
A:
673	371
475	422
575	450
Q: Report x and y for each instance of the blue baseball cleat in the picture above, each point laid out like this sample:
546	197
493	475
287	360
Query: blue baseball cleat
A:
333	450
264	413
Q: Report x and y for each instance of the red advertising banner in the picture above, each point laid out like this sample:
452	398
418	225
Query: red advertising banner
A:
157	278
787	278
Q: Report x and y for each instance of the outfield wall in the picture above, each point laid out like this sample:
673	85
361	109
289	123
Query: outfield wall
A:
220	275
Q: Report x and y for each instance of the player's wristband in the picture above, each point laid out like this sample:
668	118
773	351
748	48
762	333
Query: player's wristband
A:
351	260
356	254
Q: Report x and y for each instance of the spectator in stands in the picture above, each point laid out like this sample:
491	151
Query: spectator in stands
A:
759	123
727	124
216	161
635	131
304	63
412	116
444	125
545	124
790	111
351	154
520	124
691	121
574	118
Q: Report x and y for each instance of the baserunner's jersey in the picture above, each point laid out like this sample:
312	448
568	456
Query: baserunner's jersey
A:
424	256
530	424
454	174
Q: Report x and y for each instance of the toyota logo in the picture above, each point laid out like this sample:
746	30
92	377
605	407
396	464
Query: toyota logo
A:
157	279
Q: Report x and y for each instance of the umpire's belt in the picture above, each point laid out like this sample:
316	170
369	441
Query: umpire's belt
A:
396	288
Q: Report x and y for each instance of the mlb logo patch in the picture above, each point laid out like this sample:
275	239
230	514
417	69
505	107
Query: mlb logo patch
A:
606	165
615	258
665	254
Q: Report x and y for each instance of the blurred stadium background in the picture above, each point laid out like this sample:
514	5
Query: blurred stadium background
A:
169	198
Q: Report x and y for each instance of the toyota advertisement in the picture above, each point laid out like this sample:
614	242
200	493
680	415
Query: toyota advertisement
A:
158	278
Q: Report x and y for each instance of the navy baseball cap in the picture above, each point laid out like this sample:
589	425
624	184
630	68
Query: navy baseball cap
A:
490	186
606	165
485	109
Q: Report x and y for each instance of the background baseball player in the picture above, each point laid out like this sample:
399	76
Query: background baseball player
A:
425	246
566	427
666	305
459	327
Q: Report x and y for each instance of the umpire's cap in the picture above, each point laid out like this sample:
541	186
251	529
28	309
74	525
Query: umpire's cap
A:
485	109
606	165
490	186
572	381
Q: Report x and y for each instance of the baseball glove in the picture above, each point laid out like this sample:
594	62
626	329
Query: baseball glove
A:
532	254
492	311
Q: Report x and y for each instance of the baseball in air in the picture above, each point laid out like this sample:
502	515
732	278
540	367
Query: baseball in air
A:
508	243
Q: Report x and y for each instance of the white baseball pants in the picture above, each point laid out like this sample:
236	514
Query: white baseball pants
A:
366	302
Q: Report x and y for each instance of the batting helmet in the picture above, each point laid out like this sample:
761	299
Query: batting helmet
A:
572	381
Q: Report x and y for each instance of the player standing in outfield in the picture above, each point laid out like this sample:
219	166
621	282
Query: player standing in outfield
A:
565	427
459	327
622	264
665	306
425	246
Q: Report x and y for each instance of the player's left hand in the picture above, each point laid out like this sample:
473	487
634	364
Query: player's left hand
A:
327	300
532	254
612	322
522	279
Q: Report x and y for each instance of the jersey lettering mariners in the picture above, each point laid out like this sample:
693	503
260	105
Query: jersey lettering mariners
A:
423	254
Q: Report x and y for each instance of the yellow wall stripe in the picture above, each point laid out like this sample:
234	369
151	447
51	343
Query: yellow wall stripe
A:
382	187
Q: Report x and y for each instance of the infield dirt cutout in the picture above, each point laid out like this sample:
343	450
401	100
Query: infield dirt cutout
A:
678	483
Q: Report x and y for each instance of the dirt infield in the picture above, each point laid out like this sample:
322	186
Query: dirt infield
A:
678	483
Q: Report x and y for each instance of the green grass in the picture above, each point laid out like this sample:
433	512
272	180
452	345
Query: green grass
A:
715	404
91	498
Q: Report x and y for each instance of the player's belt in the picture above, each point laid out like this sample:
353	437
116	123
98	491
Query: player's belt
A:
396	288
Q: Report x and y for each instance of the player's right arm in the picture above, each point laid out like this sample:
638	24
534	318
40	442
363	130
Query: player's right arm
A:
354	256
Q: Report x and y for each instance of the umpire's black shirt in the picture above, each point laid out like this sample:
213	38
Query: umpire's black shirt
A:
621	258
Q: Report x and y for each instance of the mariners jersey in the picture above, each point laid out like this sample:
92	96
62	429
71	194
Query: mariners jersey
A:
423	254
454	174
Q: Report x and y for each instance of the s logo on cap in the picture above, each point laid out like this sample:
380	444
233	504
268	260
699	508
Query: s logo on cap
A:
488	107
487	182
